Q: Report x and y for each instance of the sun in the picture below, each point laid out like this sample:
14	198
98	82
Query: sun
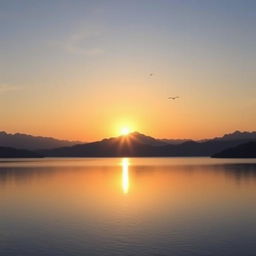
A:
125	131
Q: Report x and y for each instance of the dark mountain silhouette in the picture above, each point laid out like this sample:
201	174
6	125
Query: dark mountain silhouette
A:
30	142
137	144
134	144
246	150
130	145
237	135
19	140
7	152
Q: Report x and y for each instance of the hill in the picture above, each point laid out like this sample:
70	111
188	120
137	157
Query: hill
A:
19	140
246	150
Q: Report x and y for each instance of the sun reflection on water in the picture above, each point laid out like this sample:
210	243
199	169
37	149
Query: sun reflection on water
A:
125	175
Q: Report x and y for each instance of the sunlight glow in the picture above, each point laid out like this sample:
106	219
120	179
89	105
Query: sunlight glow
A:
125	131
125	175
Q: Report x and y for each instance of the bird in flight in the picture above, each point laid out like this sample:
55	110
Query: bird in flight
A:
151	74
173	98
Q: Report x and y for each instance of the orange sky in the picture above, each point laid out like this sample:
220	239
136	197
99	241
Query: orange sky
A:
84	74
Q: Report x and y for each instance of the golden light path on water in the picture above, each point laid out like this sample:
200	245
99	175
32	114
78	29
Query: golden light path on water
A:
125	175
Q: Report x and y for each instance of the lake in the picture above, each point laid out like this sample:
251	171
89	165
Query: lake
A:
127	207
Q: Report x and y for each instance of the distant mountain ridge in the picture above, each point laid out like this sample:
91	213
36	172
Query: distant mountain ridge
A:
237	135
132	145
137	144
19	140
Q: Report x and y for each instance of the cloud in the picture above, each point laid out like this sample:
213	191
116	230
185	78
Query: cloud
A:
4	88
83	43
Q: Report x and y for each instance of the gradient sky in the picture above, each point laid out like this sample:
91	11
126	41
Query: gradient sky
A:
80	69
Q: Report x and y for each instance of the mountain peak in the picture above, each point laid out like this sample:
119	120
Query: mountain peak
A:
144	139
238	135
137	137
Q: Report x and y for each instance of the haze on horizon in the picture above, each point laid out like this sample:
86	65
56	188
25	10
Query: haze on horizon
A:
81	69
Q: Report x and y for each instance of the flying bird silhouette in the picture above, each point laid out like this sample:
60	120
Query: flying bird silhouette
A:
173	98
151	74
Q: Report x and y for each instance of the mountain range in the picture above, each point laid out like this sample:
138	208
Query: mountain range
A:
132	145
20	140
237	135
137	144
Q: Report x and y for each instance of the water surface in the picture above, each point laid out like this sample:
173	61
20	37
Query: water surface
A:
121	206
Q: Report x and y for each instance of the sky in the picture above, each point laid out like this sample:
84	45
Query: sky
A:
80	70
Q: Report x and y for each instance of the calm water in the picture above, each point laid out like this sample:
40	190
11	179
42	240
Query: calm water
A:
136	206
